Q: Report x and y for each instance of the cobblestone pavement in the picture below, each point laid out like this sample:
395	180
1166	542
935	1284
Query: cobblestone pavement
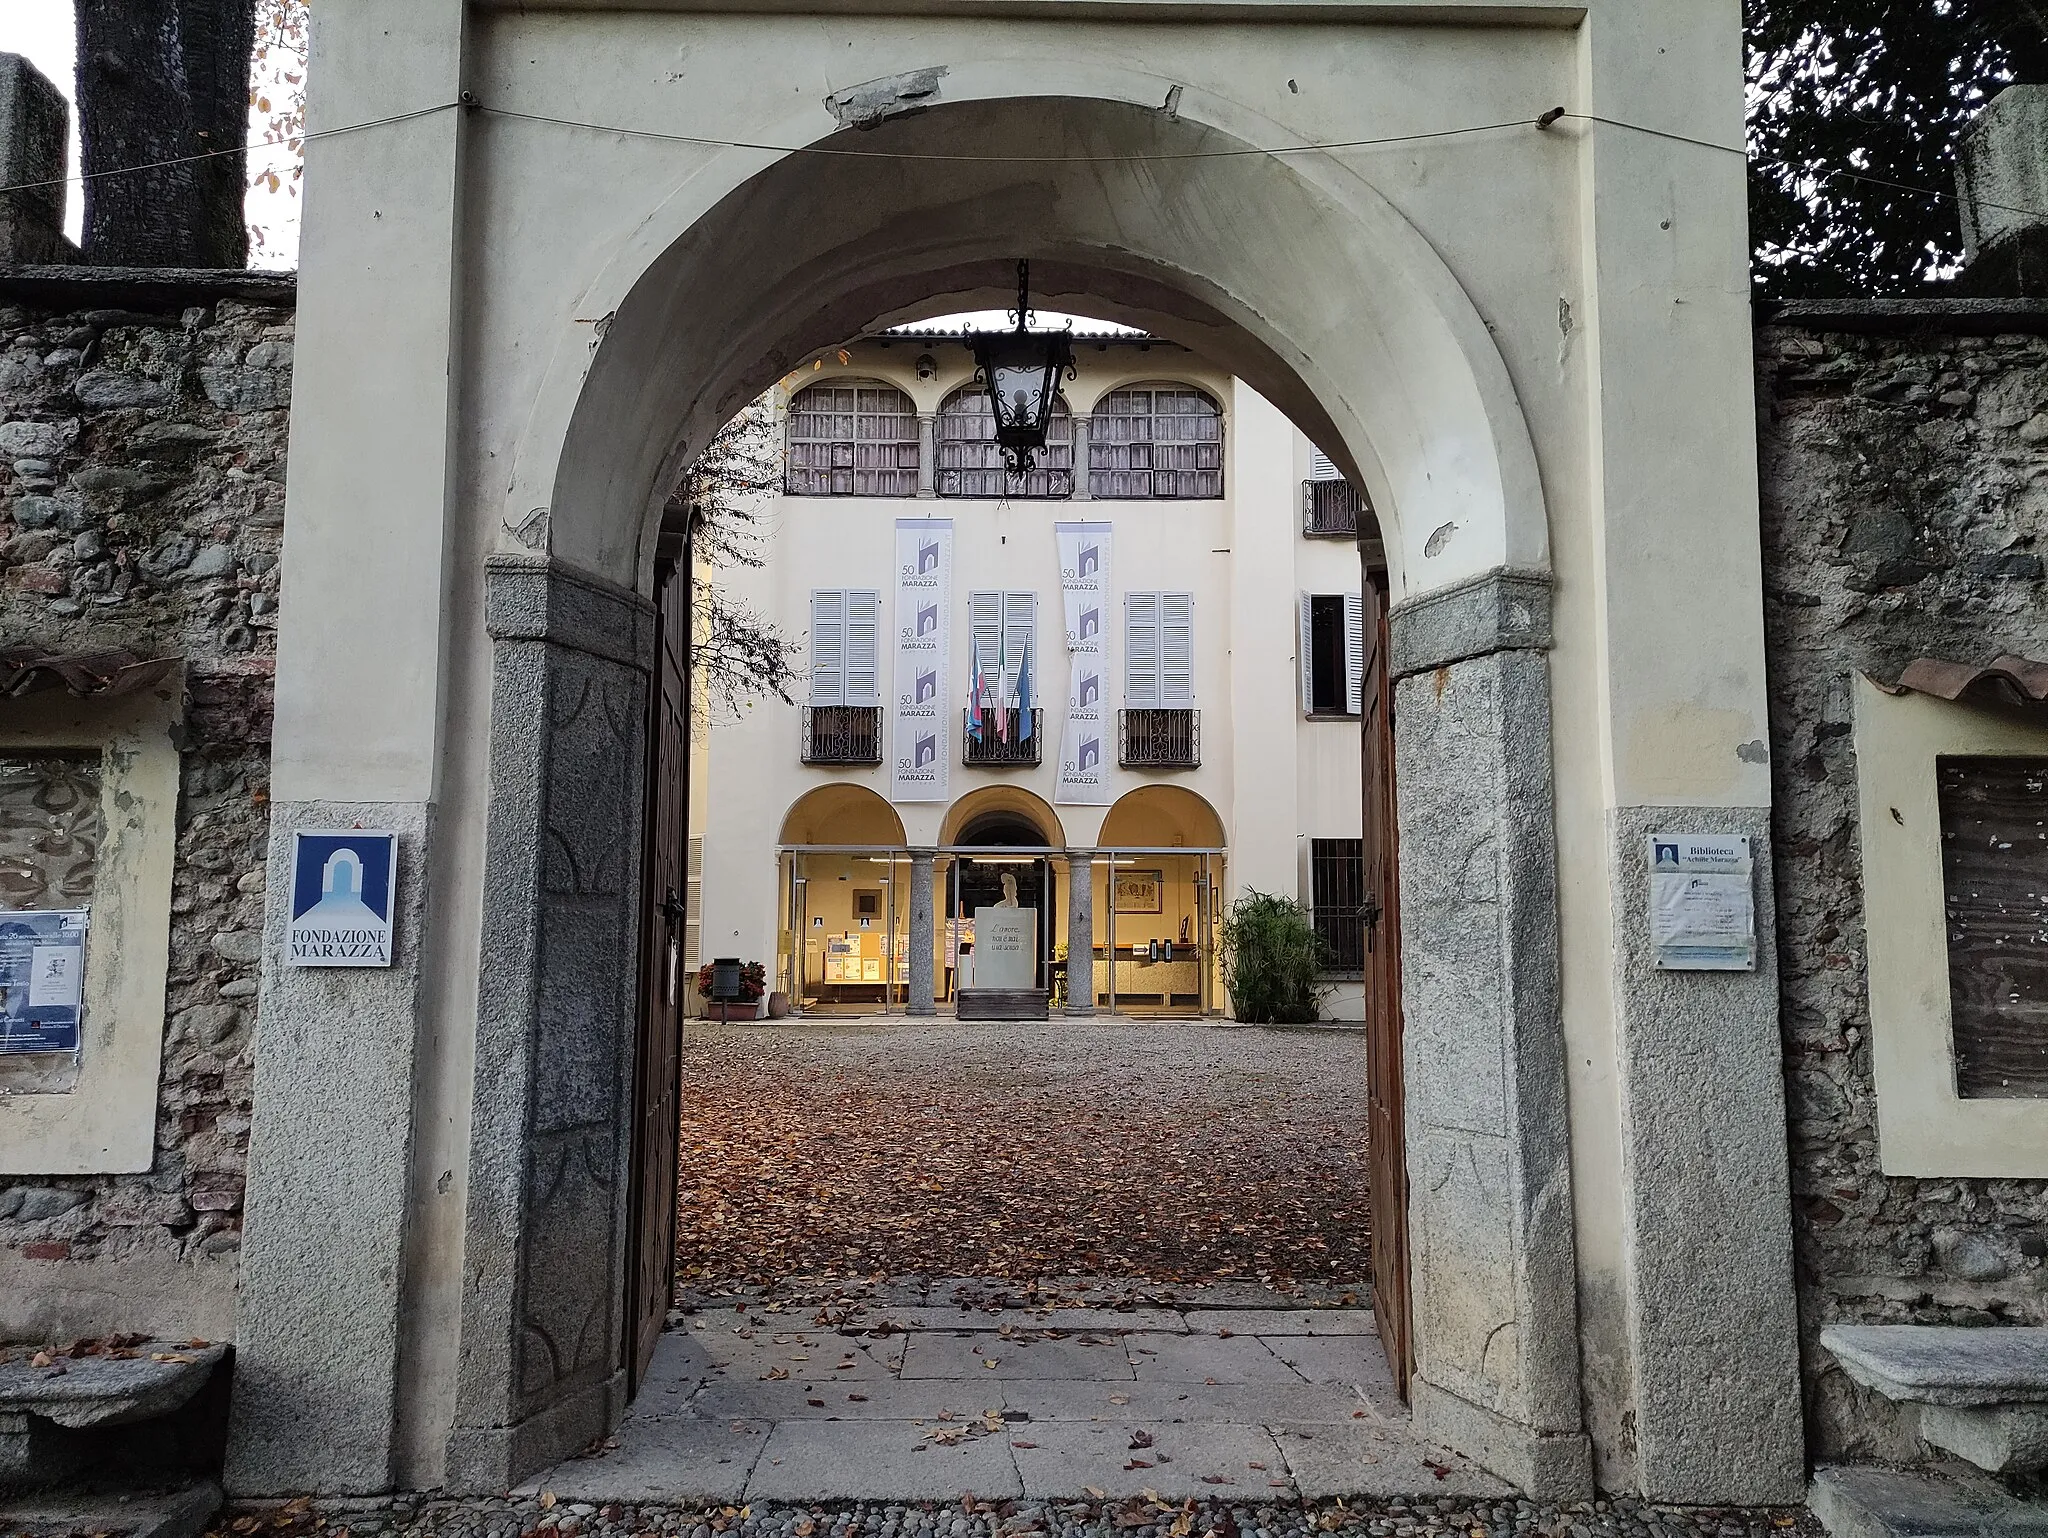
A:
542	1514
1178	1152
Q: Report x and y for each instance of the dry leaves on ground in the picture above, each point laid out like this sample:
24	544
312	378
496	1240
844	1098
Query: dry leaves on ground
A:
1173	1154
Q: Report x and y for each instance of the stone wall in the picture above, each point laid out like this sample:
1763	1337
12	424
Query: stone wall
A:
1905	514
142	468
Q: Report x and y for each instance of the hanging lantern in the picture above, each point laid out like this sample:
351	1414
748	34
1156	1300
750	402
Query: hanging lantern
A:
1021	370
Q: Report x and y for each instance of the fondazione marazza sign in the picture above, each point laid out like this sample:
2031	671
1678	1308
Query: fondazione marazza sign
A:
343	883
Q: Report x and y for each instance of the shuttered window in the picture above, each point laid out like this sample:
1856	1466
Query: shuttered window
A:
1332	654
1159	650
852	440
846	638
1994	867
1156	441
1321	467
1003	628
970	464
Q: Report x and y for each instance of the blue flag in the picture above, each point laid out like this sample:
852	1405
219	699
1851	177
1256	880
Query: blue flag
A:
1024	695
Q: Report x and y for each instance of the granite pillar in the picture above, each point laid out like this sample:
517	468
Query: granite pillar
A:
922	934
1080	931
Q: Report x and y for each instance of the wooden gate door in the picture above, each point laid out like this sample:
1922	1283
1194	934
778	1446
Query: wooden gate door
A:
1386	1151
657	1073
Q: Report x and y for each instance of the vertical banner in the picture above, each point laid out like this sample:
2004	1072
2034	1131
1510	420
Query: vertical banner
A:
924	619
1085	744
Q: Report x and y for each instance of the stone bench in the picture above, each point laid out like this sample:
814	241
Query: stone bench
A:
1980	1393
50	1414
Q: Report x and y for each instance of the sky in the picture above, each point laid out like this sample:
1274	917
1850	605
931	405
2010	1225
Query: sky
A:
42	31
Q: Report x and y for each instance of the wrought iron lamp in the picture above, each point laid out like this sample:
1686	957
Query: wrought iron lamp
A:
1021	370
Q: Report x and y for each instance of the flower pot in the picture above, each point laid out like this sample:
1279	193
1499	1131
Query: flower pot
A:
726	1013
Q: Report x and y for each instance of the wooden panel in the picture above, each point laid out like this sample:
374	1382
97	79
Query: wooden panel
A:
1386	1150
1994	859
658	1059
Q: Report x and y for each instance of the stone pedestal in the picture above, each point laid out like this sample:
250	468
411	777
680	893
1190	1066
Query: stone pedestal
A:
922	934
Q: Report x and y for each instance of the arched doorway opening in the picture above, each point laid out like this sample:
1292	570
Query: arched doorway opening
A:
843	903
991	852
1160	892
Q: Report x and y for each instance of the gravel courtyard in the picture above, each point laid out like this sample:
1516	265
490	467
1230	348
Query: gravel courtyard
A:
1176	1152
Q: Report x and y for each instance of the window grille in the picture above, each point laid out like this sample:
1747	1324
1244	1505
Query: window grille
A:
970	464
1337	901
1159	739
852	441
1008	751
842	734
1329	509
1156	441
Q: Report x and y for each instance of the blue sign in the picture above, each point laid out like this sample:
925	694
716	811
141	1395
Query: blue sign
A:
342	888
42	980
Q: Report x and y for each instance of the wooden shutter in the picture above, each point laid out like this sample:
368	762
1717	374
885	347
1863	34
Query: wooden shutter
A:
828	646
1020	637
1308	653
1176	649
985	631
1141	650
1354	654
863	647
1321	467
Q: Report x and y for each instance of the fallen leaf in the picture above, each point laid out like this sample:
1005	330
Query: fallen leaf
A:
1023	1444
1141	1439
547	1500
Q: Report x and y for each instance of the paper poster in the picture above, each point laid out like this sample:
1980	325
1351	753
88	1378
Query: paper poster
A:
343	883
42	980
1702	902
1085	585
921	756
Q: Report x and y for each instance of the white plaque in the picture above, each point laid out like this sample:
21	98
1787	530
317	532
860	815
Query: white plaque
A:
1702	902
1005	948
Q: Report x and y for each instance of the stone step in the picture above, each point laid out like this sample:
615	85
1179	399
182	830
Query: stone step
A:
1978	1392
1947	1501
181	1513
1001	1004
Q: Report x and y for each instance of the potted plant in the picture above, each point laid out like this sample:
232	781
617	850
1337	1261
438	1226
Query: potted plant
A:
752	989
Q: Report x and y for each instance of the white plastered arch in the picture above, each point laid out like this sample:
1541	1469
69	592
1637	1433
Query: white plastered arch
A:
1342	313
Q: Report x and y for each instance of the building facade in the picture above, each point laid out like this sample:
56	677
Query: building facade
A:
1191	524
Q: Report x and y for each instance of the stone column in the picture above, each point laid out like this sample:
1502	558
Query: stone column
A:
1081	493
927	454
1080	931
922	933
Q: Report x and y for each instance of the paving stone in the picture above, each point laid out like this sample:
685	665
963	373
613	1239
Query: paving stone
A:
1377	1460
1078	1460
1206	1359
1252	1404
1355	1359
967	1356
805	1356
879	1460
884	1399
667	1459
1068	1321
1273	1321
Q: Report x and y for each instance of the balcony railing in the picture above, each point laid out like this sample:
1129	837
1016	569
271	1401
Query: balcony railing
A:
842	734
1329	510
1006	751
1159	739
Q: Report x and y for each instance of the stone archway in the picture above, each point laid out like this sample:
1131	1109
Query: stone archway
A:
516	324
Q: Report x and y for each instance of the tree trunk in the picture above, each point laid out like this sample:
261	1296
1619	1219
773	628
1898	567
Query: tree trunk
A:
164	80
